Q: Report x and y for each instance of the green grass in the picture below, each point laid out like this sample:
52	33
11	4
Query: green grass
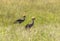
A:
47	23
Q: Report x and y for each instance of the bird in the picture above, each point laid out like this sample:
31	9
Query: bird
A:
20	20
29	25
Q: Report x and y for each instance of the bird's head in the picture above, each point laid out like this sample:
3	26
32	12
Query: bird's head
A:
24	15
33	18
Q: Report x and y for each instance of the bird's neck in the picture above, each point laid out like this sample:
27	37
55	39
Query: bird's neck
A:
24	18
32	21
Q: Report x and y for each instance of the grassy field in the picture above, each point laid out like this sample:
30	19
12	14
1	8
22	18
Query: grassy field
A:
47	23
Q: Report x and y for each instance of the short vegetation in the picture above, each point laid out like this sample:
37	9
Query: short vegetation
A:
47	20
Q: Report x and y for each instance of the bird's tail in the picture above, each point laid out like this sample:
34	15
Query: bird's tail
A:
15	22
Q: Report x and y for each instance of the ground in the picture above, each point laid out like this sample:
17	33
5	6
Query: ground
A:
46	26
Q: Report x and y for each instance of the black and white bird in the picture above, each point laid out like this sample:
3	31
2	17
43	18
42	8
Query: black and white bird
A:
28	26
21	19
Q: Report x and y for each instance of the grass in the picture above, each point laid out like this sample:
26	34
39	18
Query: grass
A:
47	23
